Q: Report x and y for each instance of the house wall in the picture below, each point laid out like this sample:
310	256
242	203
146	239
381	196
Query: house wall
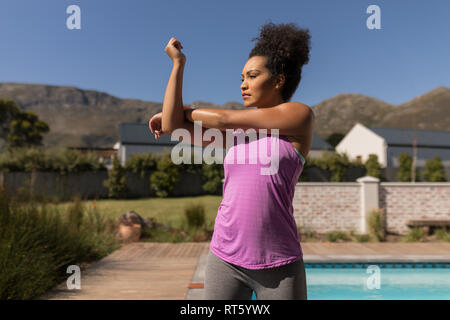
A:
361	141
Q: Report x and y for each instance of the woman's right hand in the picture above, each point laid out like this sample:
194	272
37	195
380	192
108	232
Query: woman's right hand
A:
155	125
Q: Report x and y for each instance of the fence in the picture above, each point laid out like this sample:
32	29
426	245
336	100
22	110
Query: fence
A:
89	185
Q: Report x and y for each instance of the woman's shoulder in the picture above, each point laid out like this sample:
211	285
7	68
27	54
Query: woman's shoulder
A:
301	105
304	105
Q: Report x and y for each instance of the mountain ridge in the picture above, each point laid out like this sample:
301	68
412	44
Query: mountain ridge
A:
89	118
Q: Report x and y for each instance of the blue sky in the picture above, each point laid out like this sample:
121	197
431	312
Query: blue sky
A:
120	47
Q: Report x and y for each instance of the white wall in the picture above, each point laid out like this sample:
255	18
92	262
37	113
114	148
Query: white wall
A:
361	141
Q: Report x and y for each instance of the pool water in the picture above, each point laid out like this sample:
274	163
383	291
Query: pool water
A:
385	281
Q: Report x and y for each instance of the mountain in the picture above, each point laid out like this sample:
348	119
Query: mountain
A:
89	118
340	113
431	111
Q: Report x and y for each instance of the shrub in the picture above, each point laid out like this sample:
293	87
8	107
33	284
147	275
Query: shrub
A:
161	234
37	244
414	235
375	224
334	162
69	161
306	233
141	163
75	214
55	160
434	170
373	167
405	165
442	234
334	236
213	175
195	215
116	183
163	181
359	237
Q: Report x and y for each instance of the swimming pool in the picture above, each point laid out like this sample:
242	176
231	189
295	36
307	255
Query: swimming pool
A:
378	281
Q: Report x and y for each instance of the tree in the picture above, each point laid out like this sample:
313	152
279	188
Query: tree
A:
8	111
404	173
434	170
164	179
335	138
20	128
27	130
373	167
116	182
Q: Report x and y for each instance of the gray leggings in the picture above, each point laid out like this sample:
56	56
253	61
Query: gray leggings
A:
226	281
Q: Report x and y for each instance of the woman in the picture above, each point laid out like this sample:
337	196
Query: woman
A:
255	244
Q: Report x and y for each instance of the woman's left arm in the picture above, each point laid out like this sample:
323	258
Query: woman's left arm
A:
290	118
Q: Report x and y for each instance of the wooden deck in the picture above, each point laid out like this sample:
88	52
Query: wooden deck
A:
163	271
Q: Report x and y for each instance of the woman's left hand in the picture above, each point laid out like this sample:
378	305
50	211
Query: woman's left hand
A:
173	50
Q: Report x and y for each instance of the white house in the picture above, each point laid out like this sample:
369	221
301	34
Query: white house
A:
389	143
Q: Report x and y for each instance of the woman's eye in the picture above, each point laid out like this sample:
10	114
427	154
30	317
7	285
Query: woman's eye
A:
249	77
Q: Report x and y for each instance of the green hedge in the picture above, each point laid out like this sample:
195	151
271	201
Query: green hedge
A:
333	162
54	159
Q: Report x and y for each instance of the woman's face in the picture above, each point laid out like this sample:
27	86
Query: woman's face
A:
256	81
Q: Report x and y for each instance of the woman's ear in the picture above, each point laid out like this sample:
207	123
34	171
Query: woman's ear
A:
280	81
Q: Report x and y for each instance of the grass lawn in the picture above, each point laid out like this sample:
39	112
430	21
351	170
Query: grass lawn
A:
165	210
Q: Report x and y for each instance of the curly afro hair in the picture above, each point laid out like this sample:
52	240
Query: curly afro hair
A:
286	47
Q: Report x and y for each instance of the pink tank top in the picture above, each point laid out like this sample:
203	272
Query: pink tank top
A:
255	227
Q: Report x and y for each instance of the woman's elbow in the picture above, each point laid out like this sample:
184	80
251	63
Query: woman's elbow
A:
222	121
166	129
170	126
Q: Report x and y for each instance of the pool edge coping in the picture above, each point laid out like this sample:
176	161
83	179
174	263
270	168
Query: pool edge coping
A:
197	294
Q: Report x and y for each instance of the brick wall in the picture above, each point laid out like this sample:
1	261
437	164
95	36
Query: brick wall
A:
405	201
325	206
